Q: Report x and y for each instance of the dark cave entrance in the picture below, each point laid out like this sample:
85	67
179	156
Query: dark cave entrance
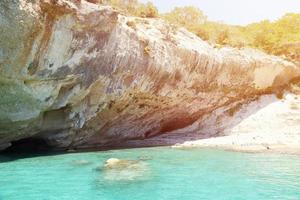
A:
28	145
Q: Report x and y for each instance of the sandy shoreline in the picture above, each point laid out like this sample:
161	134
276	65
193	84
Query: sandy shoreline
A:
267	125
248	148
228	143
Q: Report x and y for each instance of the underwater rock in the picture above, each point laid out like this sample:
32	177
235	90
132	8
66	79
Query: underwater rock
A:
125	170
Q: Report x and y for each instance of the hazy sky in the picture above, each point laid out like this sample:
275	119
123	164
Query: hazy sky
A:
235	11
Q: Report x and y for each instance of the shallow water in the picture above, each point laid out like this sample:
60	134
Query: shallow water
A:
164	174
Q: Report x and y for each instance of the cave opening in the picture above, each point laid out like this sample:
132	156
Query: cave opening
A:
28	145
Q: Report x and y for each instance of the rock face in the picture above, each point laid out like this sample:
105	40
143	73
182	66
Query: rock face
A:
78	75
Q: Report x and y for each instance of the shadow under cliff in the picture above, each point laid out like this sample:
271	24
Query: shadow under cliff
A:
223	122
33	147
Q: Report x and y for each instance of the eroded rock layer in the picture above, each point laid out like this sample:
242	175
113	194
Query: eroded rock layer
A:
78	75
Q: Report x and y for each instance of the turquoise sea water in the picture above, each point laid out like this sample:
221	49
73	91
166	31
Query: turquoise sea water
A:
164	174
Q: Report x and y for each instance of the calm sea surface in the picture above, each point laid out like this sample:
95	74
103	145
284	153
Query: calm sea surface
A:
158	174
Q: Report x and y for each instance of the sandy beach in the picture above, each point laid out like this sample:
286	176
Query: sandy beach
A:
267	125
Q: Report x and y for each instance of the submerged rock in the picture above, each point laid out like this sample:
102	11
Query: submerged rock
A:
124	170
78	75
114	163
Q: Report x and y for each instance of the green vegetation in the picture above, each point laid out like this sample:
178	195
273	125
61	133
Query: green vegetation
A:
133	7
281	38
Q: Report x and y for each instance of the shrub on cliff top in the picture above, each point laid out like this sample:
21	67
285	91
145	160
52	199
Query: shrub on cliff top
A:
133	7
147	10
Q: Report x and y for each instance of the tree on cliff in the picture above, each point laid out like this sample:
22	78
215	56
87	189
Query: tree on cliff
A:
147	10
187	16
133	7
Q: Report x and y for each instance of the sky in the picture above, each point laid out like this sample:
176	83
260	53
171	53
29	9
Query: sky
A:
236	12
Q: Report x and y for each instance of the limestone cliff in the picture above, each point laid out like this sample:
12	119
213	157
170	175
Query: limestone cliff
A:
78	75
